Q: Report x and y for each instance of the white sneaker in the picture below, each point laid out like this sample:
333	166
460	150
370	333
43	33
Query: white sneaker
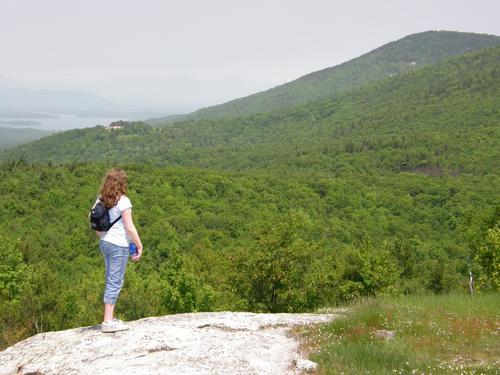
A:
113	326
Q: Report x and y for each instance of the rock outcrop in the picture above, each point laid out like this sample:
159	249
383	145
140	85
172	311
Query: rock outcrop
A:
201	343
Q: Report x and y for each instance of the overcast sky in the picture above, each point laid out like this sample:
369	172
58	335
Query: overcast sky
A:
257	40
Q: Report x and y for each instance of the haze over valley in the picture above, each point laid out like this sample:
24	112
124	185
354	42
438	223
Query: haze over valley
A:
114	98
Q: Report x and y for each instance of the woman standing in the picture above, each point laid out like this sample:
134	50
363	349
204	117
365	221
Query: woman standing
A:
114	243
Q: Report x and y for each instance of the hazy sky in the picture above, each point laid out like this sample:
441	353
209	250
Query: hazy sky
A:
258	40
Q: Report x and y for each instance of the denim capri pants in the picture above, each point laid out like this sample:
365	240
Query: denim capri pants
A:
115	260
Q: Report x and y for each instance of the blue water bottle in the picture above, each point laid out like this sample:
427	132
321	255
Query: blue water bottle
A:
132	249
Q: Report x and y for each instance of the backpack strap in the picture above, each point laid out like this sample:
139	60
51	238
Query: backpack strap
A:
114	222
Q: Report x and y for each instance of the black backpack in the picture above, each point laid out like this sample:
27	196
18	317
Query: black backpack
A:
99	218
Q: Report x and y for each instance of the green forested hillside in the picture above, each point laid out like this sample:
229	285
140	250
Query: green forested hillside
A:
251	241
411	52
10	137
391	188
443	119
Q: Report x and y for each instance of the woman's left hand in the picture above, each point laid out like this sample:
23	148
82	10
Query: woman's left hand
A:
136	257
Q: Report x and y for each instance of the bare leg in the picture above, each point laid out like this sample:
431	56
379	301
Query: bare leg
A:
108	312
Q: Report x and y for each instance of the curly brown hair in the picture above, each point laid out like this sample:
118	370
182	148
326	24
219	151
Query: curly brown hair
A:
113	187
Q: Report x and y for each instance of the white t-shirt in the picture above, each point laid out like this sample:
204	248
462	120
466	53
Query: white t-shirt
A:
117	234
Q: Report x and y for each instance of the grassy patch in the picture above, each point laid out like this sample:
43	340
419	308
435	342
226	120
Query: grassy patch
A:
451	334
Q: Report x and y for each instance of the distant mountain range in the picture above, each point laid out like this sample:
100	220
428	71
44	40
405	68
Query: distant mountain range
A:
146	94
52	101
409	53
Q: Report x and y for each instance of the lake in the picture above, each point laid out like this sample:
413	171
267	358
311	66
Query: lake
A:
60	122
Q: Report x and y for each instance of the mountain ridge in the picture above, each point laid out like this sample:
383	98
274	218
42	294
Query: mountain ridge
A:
396	57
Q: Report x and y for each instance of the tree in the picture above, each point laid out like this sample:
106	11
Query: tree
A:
14	273
15	277
483	235
488	256
273	275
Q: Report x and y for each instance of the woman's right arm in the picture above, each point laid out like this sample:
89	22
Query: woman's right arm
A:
132	232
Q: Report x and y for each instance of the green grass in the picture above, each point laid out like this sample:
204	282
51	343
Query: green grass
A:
449	334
